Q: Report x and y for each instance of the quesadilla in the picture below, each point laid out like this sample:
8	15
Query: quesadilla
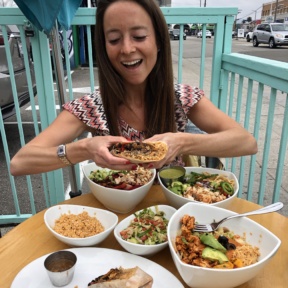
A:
123	278
140	152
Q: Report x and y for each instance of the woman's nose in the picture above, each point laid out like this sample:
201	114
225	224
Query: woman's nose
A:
127	47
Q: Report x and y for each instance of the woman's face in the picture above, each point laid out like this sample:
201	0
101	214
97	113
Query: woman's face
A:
130	41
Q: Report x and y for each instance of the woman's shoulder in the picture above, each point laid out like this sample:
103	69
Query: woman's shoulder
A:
185	90
89	109
187	94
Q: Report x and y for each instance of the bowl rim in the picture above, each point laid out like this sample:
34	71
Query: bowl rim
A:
176	256
111	214
154	174
143	245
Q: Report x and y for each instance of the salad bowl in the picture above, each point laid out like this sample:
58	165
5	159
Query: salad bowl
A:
117	200
177	200
134	246
108	219
253	233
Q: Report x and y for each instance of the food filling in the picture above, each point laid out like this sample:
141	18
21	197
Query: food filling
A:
140	152
204	187
121	179
147	228
219	249
78	225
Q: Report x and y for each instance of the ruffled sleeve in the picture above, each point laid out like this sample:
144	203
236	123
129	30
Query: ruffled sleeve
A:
89	109
186	97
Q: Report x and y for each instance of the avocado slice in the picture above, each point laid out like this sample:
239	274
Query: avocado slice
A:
214	255
210	240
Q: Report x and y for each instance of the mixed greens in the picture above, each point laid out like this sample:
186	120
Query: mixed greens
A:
147	228
211	182
121	179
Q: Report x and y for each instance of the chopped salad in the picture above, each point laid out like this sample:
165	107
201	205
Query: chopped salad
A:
147	228
121	179
204	187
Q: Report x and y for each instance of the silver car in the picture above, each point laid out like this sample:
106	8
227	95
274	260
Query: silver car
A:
6	95
273	34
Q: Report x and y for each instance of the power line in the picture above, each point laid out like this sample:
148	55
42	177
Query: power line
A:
253	11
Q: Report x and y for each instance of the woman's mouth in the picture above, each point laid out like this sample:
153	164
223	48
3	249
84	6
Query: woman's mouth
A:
132	64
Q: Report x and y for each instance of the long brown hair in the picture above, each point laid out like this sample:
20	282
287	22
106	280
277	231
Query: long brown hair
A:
159	94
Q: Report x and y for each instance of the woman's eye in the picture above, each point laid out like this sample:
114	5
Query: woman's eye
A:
140	38
113	41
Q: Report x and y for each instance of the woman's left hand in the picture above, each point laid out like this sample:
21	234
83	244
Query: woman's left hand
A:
174	147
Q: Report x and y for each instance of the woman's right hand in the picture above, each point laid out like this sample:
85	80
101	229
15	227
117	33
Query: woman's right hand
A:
98	149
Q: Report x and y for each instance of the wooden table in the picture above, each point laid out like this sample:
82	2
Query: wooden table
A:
31	240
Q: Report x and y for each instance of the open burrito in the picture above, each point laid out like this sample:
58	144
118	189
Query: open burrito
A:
140	152
123	278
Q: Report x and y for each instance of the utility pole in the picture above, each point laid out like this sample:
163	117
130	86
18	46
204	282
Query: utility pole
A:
275	14
205	3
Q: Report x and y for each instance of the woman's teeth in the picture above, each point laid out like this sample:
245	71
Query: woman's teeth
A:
132	63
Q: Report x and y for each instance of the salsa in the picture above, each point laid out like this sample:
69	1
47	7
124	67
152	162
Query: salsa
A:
171	173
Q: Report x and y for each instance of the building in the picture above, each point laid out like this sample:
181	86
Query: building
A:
164	3
275	11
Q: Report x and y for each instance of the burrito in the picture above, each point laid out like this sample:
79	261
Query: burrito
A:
140	152
123	278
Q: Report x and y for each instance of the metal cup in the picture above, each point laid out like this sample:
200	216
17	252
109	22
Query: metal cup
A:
60	267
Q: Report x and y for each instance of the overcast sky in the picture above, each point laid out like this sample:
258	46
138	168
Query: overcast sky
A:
247	7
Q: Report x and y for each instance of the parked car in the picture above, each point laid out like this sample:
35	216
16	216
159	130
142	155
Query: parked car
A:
234	34
273	34
249	36
208	34
7	104
175	34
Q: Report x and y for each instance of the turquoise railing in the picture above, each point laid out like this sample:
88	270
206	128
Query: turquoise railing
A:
238	84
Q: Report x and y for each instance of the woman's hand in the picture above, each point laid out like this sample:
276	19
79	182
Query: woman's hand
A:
98	149
174	147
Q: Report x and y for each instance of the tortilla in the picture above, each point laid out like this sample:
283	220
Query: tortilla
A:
140	152
123	278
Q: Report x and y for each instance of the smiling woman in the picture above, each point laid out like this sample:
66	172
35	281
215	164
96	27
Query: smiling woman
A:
136	100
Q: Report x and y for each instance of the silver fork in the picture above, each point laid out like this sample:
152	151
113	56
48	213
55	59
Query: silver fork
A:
213	226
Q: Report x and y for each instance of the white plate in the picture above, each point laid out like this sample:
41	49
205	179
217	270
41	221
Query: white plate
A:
91	263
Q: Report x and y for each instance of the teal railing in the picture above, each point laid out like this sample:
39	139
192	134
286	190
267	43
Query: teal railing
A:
252	90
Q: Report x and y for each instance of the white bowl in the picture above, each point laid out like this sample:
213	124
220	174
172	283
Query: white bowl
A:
256	235
108	219
177	201
138	249
120	201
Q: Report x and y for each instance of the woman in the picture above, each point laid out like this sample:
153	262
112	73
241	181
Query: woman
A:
136	100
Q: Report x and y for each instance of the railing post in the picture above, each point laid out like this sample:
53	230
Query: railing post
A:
46	101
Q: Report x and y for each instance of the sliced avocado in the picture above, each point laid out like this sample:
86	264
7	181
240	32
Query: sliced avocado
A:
214	255
210	240
133	240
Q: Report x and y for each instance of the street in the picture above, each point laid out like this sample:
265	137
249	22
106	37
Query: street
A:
238	46
191	56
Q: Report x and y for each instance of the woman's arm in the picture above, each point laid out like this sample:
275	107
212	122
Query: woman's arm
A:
224	138
40	154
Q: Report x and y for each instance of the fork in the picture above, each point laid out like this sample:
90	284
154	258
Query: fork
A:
213	226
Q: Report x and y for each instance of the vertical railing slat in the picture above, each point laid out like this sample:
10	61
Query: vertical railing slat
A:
257	122
267	143
282	155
